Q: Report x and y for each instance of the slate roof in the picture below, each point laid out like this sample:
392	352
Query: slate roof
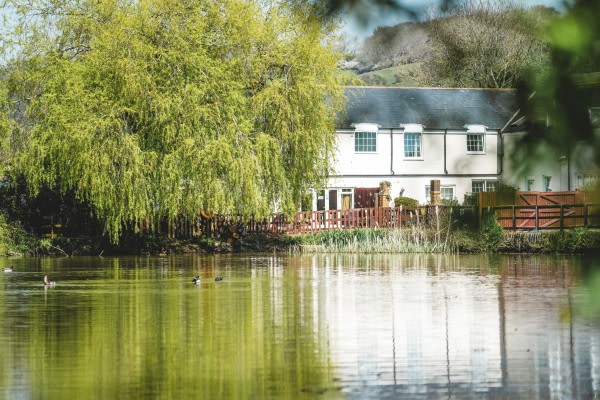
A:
389	107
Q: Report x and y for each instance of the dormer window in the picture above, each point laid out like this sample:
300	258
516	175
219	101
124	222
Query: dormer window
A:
413	134
475	139
365	138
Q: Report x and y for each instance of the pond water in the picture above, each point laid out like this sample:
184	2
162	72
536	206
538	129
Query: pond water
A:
301	326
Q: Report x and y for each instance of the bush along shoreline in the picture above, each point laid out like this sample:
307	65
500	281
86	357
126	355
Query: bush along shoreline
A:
369	240
577	241
485	236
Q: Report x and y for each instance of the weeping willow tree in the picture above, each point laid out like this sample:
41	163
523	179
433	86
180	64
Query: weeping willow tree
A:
155	108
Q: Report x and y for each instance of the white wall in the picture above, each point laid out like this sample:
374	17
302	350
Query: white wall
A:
521	164
369	169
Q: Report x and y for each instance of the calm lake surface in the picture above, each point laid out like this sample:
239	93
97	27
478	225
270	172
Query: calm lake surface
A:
301	326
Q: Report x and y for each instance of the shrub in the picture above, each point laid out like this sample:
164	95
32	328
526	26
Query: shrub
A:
13	238
405	201
490	233
450	202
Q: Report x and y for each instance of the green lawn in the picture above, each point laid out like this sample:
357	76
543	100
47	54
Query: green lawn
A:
408	75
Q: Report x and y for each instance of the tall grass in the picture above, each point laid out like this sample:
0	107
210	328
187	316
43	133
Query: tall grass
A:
373	240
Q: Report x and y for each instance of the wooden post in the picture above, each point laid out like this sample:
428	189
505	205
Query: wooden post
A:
585	215
537	221
382	197
434	192
514	218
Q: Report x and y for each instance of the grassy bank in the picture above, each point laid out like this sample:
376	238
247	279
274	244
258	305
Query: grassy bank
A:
489	239
576	241
377	241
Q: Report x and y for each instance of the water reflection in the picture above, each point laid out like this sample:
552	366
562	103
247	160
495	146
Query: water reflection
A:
332	326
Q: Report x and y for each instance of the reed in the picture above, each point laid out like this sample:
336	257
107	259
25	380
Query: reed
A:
415	239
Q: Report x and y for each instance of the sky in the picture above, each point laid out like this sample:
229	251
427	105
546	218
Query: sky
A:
355	30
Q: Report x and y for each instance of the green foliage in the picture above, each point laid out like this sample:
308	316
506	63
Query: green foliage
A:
153	109
490	233
405	201
475	235
407	75
306	202
14	239
575	241
6	239
5	127
450	202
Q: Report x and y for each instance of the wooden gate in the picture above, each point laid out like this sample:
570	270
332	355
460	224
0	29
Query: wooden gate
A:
365	197
538	210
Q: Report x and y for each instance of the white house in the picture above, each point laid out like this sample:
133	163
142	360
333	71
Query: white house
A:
461	137
410	136
553	170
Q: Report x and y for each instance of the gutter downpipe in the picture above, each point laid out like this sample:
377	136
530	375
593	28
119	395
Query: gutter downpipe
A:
501	153
392	151
445	169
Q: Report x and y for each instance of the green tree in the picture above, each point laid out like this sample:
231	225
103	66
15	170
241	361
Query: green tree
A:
156	108
5	126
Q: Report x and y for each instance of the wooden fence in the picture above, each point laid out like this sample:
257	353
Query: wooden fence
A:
541	210
514	217
305	221
535	217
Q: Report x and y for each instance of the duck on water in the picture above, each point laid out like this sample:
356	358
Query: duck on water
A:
198	281
48	282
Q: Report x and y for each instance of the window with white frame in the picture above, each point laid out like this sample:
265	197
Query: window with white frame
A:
530	184
483	186
446	192
365	138
413	140
587	179
475	139
365	142
546	181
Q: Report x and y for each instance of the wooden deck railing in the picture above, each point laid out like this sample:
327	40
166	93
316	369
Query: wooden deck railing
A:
514	217
308	221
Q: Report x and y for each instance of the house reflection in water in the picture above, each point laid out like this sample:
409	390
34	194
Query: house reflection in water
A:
444	325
